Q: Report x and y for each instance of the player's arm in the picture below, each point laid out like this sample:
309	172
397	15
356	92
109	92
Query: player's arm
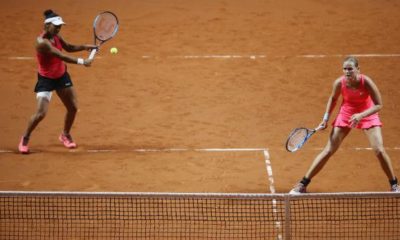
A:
332	100
75	48
44	46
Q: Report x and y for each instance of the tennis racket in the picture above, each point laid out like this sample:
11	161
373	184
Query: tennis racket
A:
105	26
298	137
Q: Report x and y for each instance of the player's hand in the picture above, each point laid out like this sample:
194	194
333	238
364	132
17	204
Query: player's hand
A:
87	62
355	119
90	47
323	125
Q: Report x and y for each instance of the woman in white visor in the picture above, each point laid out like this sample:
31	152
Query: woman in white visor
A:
53	76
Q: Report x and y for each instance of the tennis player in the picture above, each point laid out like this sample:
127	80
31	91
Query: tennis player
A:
53	76
359	109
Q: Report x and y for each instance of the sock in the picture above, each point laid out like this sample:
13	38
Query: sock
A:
25	140
393	182
305	181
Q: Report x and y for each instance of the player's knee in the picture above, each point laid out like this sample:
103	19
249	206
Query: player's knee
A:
72	109
330	150
378	150
40	115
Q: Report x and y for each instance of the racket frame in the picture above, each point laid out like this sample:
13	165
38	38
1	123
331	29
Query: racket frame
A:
310	132
93	52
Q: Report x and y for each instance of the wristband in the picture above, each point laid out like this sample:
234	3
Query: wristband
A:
80	61
326	116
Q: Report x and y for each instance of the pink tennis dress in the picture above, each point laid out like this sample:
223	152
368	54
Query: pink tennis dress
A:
356	101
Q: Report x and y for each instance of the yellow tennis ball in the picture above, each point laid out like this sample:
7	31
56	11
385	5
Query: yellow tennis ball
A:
114	50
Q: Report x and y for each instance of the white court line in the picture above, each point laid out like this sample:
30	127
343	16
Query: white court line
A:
271	181
20	58
5	151
231	149
219	56
180	150
269	171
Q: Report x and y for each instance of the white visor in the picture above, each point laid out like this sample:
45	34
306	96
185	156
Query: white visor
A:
55	21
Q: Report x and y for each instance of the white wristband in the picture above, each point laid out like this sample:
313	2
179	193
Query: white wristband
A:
326	116
80	61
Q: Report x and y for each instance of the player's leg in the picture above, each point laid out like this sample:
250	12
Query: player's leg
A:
68	97
43	100
374	135
336	137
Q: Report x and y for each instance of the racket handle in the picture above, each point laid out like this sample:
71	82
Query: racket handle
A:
92	53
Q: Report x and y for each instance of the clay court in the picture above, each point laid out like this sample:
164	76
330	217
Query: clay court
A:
201	96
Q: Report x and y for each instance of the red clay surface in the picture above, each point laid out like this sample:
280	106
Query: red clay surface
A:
164	100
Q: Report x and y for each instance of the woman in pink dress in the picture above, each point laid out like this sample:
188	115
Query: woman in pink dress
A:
361	104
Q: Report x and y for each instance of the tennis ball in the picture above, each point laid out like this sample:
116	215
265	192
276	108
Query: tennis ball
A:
114	50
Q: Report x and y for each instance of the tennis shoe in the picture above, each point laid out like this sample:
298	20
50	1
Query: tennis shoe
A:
395	188
299	188
67	141
23	145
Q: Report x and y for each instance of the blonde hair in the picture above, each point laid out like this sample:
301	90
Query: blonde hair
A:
351	59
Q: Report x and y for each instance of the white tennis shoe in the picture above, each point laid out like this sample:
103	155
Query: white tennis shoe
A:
299	188
395	188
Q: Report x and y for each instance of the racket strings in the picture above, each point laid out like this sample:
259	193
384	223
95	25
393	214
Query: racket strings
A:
296	139
105	26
